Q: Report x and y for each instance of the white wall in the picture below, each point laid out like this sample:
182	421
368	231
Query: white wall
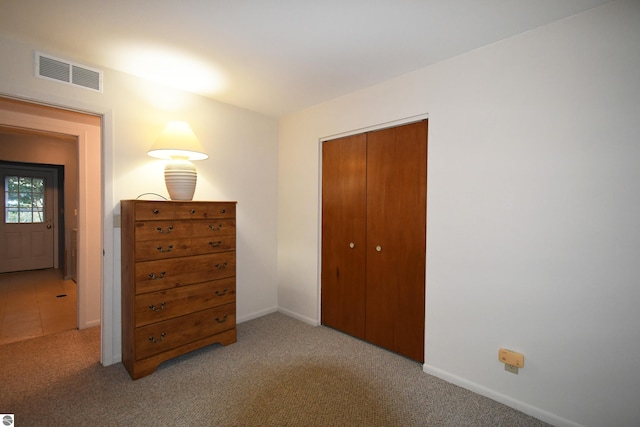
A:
243	167
533	235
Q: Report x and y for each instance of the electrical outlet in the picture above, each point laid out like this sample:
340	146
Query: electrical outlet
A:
511	368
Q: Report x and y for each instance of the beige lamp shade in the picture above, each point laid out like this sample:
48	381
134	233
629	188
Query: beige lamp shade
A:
177	141
178	144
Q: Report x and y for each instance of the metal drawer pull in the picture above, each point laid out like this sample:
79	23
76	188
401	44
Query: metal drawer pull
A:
193	211
221	294
154	277
221	266
352	245
216	244
156	211
223	211
165	250
163	231
154	308
378	248
219	320
155	341
214	227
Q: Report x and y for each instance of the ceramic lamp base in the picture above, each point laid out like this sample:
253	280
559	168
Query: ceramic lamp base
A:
180	177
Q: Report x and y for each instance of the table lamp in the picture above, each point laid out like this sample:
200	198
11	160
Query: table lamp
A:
178	144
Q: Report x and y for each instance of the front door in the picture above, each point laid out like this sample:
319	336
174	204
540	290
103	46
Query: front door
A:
27	225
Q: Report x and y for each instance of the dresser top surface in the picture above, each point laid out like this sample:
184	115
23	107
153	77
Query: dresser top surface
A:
178	201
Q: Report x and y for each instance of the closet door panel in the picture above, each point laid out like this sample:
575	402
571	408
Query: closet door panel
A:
344	234
396	238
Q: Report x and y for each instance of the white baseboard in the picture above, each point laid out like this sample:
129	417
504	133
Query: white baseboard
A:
116	358
538	413
256	314
299	317
90	324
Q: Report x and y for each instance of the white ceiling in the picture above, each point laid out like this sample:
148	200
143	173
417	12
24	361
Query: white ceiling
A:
277	56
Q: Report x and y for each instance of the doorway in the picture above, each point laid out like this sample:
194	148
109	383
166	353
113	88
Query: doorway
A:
39	298
83	202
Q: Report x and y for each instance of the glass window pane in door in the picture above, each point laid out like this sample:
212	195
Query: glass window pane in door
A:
24	199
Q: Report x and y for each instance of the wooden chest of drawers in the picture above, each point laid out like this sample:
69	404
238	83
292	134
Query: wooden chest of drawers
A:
178	279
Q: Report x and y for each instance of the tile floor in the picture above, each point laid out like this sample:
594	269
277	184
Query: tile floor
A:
32	304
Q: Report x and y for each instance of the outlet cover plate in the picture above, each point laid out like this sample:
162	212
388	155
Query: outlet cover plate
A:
511	368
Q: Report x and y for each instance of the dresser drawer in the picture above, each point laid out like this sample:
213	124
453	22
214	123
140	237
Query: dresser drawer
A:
163	336
150	210
162	305
207	245
221	210
204	210
160	249
214	227
148	250
171	273
153	230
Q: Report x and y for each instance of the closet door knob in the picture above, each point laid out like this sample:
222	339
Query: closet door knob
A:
352	245
378	248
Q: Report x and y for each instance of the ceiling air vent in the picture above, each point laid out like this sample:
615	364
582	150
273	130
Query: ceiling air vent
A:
51	68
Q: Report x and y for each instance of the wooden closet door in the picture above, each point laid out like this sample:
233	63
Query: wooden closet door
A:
343	234
396	238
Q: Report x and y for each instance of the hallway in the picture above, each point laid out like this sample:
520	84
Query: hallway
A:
36	303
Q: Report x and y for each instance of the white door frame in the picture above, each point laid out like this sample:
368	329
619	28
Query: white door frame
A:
95	217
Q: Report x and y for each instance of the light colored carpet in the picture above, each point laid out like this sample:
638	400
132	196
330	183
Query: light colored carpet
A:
281	372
